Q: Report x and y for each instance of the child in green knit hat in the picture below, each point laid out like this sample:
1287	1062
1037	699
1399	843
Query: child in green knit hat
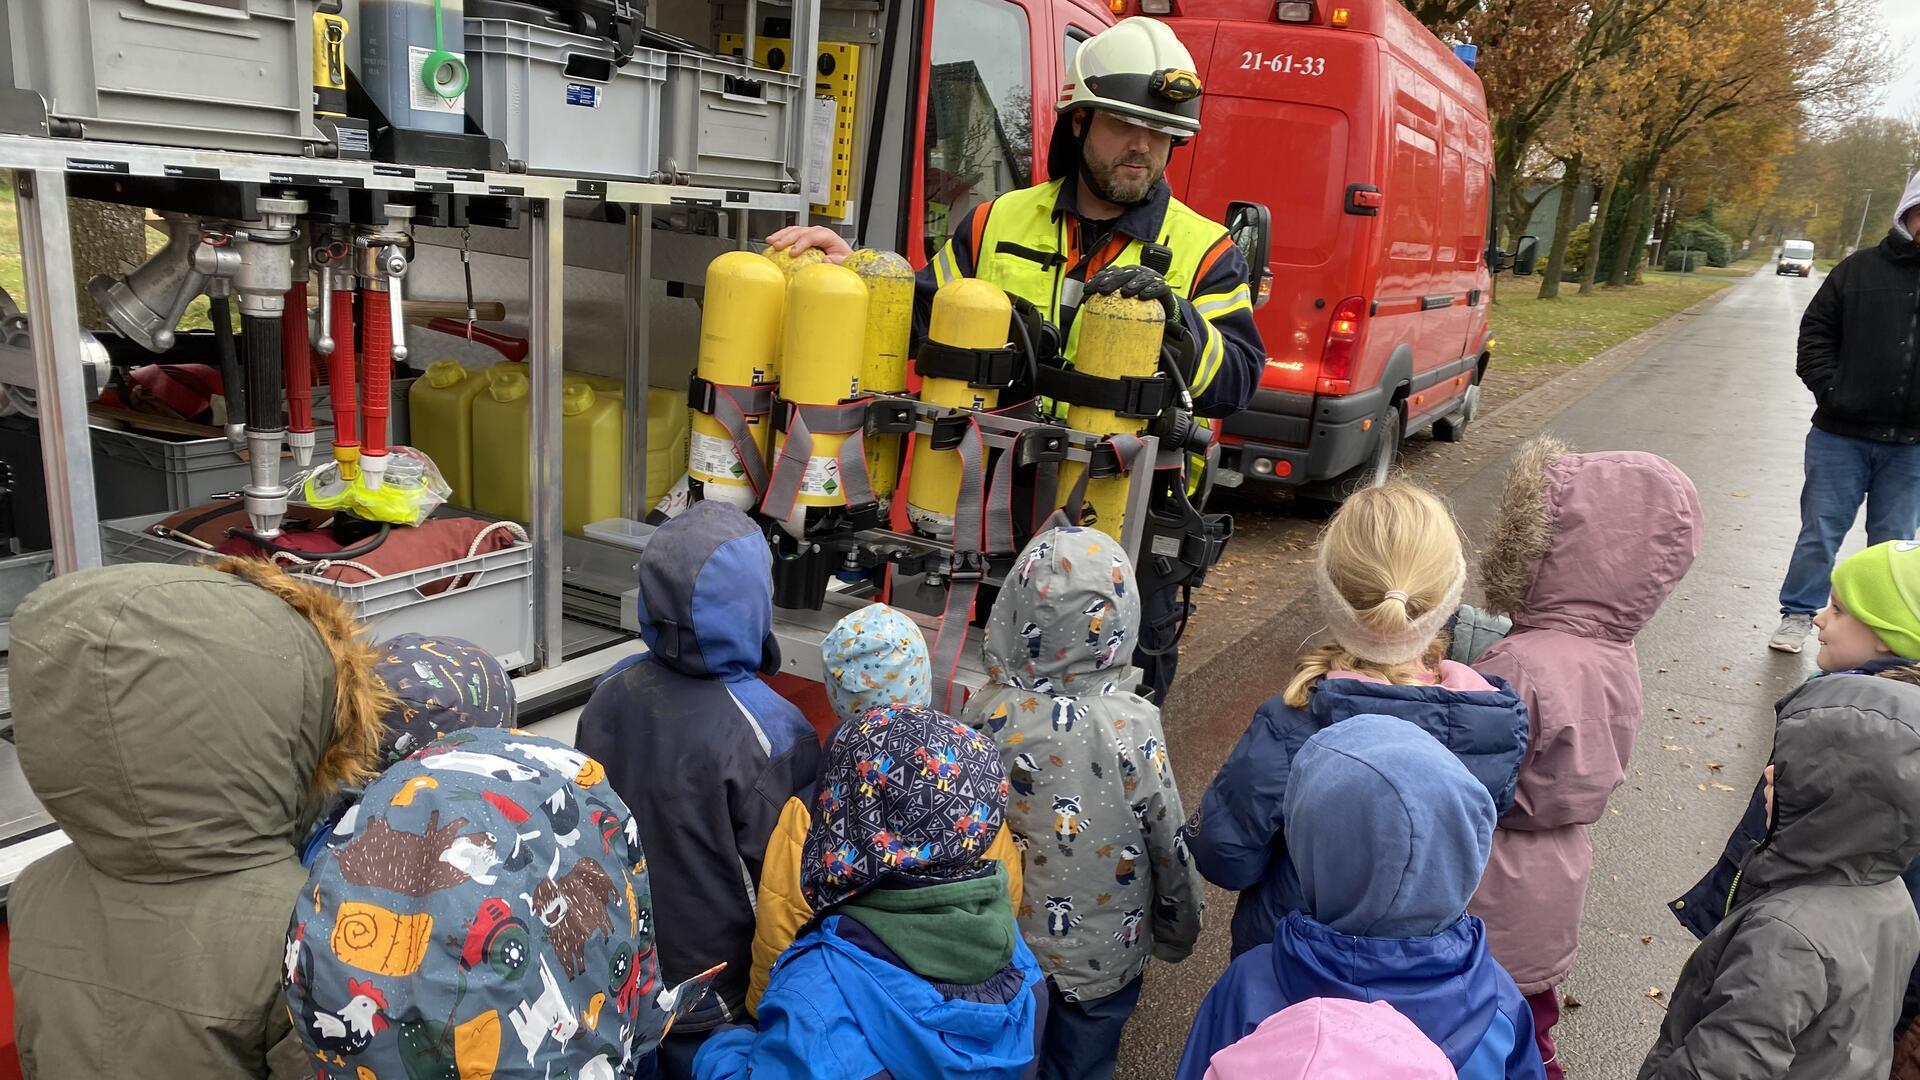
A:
1874	617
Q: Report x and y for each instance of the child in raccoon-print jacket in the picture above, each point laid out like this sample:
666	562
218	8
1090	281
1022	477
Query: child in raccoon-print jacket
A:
1094	805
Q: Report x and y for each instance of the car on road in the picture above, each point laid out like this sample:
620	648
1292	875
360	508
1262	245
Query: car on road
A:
1375	156
1796	257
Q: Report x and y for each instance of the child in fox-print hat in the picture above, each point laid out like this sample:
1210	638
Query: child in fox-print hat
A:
1108	878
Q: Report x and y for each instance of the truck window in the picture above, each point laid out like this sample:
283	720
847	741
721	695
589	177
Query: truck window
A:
1070	44
979	110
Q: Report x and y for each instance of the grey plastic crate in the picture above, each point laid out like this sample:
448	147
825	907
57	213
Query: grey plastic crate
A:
726	123
223	74
559	103
142	474
492	607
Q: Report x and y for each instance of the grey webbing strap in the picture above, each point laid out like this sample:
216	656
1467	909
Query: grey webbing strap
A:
847	418
964	585
1000	506
1127	448
733	416
789	468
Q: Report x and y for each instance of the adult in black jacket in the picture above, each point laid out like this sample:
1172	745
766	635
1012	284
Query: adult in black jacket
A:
1860	355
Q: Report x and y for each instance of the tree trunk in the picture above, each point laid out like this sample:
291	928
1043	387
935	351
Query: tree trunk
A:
1590	270
1562	225
1627	251
109	239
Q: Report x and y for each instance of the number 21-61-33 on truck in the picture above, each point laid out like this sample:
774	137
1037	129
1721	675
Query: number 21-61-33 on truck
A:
1368	140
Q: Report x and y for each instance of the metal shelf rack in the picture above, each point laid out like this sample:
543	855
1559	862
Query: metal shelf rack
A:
43	167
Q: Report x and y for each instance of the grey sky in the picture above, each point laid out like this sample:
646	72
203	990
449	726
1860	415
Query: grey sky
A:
1903	26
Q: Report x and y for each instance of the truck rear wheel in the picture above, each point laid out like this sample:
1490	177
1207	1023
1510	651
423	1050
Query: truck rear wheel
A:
1373	472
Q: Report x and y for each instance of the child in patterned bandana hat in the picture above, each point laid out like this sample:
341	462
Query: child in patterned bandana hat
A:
439	685
914	967
1108	879
444	684
873	657
482	911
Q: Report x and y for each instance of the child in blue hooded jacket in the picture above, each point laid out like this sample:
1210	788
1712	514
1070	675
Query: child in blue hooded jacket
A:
1388	834
703	751
913	969
1390	573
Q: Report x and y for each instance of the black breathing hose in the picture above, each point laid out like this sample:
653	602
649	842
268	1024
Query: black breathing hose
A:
233	382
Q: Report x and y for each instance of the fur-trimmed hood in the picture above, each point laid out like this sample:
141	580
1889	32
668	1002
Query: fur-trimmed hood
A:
180	722
1590	544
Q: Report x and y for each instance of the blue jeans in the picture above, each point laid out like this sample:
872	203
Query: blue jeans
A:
1082	1040
1841	472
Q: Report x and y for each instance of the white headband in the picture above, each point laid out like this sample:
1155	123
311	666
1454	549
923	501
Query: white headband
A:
1384	648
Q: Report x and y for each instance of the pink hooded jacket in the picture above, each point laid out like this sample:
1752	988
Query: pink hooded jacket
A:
1333	1039
1587	548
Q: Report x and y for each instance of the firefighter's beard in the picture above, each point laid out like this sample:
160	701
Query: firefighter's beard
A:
1119	185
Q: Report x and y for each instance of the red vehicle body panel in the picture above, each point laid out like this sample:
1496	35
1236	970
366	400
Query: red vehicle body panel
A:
1294	115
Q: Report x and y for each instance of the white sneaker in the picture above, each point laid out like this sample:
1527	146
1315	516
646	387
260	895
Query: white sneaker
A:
1792	634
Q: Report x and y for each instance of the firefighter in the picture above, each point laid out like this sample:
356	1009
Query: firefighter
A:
1132	97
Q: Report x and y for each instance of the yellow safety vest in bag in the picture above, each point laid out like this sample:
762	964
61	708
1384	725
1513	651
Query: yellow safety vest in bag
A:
1024	250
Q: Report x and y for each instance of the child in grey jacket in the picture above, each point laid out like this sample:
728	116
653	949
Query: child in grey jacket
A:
1094	806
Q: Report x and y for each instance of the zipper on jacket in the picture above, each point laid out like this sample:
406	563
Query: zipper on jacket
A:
1732	889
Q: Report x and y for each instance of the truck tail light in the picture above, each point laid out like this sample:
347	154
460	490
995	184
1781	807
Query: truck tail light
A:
1343	333
1294	11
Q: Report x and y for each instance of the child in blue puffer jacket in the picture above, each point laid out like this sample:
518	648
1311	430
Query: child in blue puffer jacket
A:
1390	837
1390	573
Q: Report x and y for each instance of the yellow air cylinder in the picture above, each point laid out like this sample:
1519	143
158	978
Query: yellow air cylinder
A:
1119	337
502	486
883	368
592	440
440	417
967	314
791	264
821	357
739	343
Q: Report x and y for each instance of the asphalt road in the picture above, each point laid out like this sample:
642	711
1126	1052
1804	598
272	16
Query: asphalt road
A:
1714	391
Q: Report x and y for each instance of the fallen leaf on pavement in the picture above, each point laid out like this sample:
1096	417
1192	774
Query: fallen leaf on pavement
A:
1654	993
1723	787
1568	1001
1714	766
1738	494
1646	939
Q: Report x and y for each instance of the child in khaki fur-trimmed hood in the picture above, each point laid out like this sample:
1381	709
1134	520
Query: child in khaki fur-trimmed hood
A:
184	726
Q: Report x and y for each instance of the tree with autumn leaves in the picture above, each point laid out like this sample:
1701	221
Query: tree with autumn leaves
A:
1654	103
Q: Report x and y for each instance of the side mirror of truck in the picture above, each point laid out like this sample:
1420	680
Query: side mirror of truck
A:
1526	256
1522	260
1250	225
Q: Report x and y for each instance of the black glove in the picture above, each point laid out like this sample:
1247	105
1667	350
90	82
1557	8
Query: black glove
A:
1136	283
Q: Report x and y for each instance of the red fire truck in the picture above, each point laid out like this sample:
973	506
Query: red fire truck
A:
1368	140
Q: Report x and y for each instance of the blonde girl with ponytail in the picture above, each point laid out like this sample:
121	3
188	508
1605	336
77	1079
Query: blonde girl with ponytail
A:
1389	575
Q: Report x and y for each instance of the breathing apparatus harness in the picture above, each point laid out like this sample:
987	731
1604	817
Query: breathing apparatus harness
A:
1179	543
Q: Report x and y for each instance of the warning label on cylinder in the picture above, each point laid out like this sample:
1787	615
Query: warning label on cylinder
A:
822	478
712	458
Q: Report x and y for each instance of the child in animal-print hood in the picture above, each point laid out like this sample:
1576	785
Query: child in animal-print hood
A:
1094	804
482	911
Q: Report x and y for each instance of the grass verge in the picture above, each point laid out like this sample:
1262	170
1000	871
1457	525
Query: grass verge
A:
1574	329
